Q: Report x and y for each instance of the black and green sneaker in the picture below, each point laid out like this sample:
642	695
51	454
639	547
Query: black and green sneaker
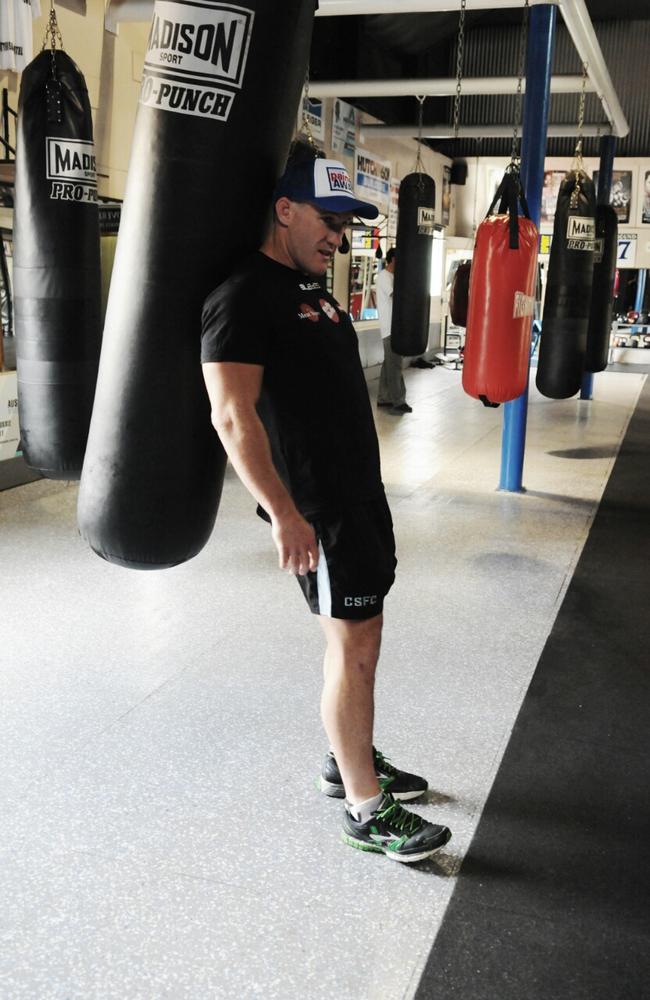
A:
394	831
400	784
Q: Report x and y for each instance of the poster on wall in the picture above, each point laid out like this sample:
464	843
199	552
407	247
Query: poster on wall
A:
312	110
393	201
9	433
445	201
620	196
372	179
550	191
626	250
645	199
344	128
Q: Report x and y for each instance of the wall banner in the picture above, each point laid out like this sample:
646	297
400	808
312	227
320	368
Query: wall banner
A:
372	179
344	128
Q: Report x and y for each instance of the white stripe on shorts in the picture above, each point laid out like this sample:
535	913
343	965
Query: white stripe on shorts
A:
323	584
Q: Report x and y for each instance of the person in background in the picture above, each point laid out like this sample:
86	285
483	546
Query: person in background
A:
392	391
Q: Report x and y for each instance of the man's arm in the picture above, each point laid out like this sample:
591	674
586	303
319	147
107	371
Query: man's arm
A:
234	390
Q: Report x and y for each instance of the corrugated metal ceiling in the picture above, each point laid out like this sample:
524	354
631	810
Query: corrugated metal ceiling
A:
424	45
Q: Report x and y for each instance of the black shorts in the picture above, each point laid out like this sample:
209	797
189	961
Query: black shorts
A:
356	565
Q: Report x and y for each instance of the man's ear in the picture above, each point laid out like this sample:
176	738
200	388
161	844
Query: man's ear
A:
283	211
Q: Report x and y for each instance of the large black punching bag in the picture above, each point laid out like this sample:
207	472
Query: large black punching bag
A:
409	332
568	289
56	269
602	294
220	91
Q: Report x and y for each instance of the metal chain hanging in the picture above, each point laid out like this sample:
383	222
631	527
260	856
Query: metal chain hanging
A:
418	166
515	157
53	35
54	105
577	167
460	53
306	125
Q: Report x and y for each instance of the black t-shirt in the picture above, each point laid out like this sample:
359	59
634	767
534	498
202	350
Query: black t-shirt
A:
314	402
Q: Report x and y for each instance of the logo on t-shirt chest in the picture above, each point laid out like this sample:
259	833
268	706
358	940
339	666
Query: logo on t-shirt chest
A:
305	311
325	308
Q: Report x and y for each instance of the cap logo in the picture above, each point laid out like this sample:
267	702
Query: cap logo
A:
339	180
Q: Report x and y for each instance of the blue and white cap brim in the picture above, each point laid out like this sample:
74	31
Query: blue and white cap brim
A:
333	190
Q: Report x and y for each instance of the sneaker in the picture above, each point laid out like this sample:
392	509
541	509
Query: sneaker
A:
394	831
402	408
400	784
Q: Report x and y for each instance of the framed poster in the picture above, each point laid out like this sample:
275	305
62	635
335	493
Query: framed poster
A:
620	196
344	128
550	191
645	198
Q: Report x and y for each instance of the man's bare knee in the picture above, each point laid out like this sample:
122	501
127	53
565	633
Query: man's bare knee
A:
357	642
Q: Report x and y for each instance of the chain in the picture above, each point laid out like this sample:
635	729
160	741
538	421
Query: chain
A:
514	157
53	35
460	53
577	167
418	167
306	126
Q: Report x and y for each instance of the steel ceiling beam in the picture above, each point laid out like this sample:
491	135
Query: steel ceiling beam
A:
437	87
446	131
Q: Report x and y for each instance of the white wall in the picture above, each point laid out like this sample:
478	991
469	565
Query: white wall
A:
111	65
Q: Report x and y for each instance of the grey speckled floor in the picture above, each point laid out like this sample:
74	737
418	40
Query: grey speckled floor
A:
161	836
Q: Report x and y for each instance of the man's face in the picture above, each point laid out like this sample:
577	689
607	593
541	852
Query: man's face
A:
313	235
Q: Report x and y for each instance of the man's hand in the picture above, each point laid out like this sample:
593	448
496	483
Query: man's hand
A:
296	543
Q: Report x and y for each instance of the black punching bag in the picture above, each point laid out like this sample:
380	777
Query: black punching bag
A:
56	272
602	294
220	91
568	289
409	332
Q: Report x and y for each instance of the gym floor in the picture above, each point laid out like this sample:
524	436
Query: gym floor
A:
161	834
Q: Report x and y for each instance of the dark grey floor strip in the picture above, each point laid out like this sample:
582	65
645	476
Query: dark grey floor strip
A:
553	899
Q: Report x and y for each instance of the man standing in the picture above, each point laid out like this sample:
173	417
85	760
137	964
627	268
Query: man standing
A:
392	391
290	404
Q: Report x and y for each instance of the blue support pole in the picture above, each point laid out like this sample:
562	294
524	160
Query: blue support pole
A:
605	170
640	290
539	64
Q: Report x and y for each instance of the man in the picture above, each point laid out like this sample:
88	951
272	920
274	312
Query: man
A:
392	391
276	344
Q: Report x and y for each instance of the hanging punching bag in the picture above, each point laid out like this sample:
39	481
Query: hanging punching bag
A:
568	289
602	293
220	91
409	332
56	269
501	299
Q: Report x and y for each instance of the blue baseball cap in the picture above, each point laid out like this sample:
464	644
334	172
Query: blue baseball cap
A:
324	183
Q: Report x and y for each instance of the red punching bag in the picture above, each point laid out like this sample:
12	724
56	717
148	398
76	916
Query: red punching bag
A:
501	299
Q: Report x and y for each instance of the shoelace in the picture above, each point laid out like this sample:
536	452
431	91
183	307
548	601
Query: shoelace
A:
384	765
399	817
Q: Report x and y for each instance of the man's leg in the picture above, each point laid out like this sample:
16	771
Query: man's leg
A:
347	704
396	386
383	393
